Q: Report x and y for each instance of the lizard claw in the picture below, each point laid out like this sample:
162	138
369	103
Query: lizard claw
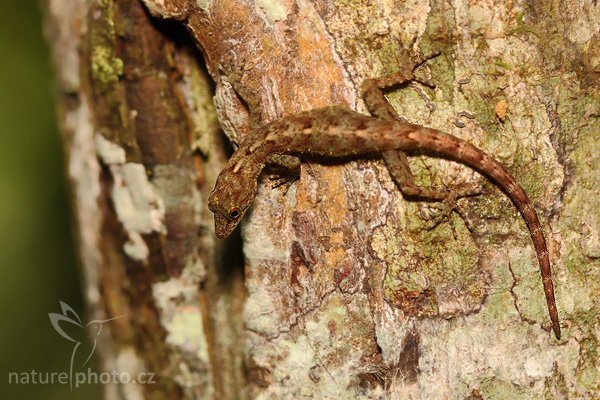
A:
440	212
437	213
285	181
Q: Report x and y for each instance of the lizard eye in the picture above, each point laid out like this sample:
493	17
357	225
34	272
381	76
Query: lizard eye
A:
234	213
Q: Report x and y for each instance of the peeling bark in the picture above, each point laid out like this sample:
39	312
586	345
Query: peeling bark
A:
349	294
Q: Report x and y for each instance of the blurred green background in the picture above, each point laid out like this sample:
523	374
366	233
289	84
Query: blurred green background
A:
37	258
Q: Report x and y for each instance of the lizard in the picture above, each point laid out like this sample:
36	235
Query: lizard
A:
339	132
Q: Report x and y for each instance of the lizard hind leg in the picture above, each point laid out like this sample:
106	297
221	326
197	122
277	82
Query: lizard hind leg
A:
397	165
396	161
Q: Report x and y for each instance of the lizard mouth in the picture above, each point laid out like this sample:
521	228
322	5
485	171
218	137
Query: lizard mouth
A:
223	227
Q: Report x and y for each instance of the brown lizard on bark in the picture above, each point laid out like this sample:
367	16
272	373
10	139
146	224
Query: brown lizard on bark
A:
339	132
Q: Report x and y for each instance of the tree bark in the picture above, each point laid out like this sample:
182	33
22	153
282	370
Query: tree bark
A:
349	292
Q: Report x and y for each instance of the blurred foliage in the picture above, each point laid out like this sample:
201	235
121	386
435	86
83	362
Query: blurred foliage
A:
37	257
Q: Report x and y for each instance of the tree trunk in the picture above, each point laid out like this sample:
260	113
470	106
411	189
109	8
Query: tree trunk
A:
349	291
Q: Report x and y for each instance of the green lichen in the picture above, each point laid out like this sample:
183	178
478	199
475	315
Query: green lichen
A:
186	327
407	102
204	5
498	389
478	94
579	264
390	54
106	67
423	262
105	70
457	261
350	4
497	310
579	267
523	28
587	370
206	124
555	386
317	351
588	376
563	108
436	39
528	288
273	9
530	175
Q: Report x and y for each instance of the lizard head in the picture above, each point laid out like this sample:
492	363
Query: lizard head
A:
232	196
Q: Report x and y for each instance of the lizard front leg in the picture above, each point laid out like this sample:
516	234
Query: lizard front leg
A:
287	170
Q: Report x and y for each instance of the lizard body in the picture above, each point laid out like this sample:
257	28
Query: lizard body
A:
339	132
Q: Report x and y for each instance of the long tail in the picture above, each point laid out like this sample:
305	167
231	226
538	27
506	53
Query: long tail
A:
420	138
